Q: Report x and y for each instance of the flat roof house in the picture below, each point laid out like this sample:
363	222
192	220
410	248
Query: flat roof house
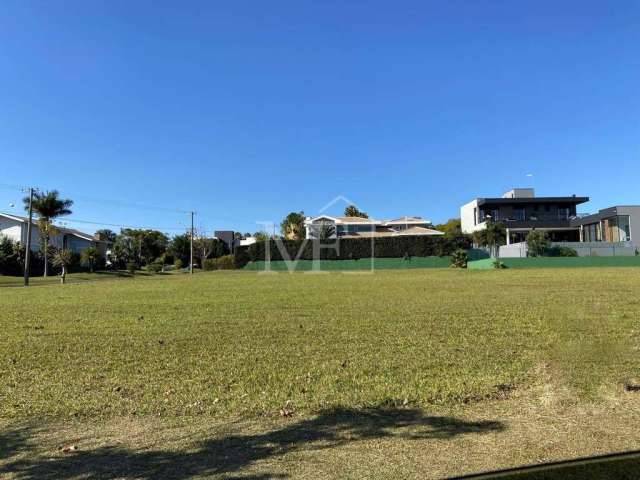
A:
358	227
15	228
521	211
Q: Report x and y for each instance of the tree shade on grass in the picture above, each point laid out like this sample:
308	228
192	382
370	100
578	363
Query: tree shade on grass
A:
243	375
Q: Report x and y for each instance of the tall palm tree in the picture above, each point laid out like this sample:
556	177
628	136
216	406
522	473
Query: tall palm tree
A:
49	206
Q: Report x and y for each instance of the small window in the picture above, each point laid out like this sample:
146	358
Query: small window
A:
519	215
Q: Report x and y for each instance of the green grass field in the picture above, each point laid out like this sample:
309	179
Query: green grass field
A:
12	281
165	361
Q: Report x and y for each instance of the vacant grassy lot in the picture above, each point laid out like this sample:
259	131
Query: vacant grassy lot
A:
178	359
11	281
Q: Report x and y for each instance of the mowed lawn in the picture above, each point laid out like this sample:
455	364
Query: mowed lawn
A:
262	348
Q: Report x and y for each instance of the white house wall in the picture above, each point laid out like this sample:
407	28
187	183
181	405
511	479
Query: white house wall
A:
11	229
17	232
467	218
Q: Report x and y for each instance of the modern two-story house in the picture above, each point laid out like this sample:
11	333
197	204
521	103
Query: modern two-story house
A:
358	227
521	211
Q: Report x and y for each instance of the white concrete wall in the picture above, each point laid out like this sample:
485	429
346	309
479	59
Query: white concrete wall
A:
515	250
600	249
467	218
583	249
244	242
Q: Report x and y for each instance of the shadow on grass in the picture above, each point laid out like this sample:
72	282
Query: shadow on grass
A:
229	455
619	466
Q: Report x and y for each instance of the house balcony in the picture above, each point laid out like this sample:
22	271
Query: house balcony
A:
537	221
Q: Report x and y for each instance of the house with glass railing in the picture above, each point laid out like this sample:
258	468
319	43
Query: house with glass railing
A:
521	211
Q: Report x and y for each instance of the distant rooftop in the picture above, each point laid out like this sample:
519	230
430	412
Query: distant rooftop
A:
406	220
519	193
527	195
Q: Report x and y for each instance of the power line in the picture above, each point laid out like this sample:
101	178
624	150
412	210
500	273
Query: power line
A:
10	186
115	202
104	200
105	224
129	204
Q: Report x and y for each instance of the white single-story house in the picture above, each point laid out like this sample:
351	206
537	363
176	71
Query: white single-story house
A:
358	227
15	227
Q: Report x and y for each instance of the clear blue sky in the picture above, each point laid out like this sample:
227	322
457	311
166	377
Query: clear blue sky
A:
245	111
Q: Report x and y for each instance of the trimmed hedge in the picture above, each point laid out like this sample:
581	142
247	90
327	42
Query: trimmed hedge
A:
353	265
356	248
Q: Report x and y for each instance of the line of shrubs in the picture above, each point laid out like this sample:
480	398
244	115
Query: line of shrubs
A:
225	262
12	257
355	248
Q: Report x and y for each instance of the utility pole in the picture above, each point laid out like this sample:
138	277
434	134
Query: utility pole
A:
191	255
27	253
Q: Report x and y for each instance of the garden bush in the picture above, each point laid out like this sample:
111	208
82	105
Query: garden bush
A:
225	262
561	252
209	264
537	243
460	258
154	267
178	264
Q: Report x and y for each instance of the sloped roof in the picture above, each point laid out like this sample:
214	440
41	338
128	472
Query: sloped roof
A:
407	221
420	231
357	220
344	220
64	230
388	232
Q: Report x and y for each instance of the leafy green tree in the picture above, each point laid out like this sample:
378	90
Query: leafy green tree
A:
106	235
123	251
352	211
11	256
537	243
292	227
49	206
204	248
492	236
180	247
261	236
63	259
91	256
451	227
148	244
